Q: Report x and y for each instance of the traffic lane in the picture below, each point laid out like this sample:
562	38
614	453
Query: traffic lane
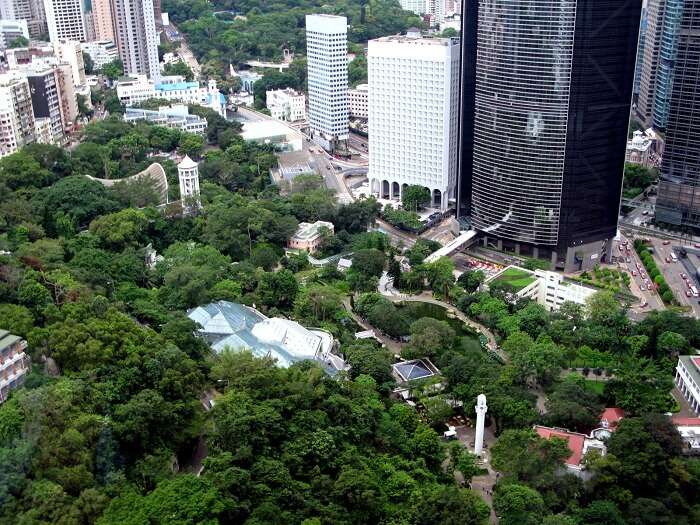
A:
672	273
639	280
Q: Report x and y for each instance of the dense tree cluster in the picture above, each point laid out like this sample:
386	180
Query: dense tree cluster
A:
265	29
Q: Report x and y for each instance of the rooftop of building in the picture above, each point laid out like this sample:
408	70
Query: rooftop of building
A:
266	129
416	39
308	230
692	365
518	278
7	339
574	441
239	327
681	421
414	370
611	416
360	87
287	91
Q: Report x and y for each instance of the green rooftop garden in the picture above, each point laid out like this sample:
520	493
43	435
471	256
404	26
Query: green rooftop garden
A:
516	277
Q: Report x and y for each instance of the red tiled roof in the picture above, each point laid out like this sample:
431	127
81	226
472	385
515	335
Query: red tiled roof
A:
680	421
573	439
696	361
612	415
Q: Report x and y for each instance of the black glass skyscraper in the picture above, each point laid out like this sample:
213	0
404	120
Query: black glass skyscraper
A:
678	202
547	87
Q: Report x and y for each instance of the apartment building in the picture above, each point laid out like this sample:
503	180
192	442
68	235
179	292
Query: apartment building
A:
14	363
286	104
65	20
16	113
359	101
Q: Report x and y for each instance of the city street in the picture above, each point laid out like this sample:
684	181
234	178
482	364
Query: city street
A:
639	282
672	273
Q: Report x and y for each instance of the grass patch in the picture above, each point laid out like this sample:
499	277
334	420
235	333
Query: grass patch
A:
516	277
596	387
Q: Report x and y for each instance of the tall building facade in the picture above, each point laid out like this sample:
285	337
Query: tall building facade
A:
46	99
678	201
103	20
327	62
65	20
137	38
413	116
16	113
546	103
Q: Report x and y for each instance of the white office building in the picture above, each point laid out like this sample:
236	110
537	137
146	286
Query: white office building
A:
11	30
286	104
413	116
101	52
359	101
137	39
327	50
65	20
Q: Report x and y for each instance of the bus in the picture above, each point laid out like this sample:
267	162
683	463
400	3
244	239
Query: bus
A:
694	291
674	257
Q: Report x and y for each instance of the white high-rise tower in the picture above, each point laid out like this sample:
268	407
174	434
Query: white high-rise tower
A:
413	116
327	61
137	39
188	174
481	409
65	20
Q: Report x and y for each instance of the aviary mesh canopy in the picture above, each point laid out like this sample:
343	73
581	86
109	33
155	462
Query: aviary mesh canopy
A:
413	370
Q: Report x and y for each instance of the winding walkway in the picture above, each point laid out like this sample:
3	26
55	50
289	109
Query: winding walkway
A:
426	297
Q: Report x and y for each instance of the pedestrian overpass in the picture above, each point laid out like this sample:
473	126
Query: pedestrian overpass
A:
465	238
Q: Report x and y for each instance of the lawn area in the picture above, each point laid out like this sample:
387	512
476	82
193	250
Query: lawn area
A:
516	277
595	386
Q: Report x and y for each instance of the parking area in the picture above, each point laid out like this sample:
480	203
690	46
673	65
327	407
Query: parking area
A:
679	271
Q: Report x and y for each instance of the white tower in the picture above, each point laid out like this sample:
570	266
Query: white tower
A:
481	409
413	87
327	63
188	173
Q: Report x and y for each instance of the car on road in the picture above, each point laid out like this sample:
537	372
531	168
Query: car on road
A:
634	273
628	260
644	303
666	242
645	212
668	260
688	293
642	288
684	276
697	244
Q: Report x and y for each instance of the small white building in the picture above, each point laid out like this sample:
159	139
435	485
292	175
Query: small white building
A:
689	429
644	148
14	363
359	101
274	133
101	52
286	104
308	236
11	30
688	380
550	289
248	78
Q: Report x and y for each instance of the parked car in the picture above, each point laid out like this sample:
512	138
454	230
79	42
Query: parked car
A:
684	276
666	242
642	287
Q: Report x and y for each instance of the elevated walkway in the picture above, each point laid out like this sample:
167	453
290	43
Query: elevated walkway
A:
465	238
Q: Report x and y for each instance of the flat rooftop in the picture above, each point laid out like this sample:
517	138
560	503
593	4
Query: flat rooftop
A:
419	41
518	278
